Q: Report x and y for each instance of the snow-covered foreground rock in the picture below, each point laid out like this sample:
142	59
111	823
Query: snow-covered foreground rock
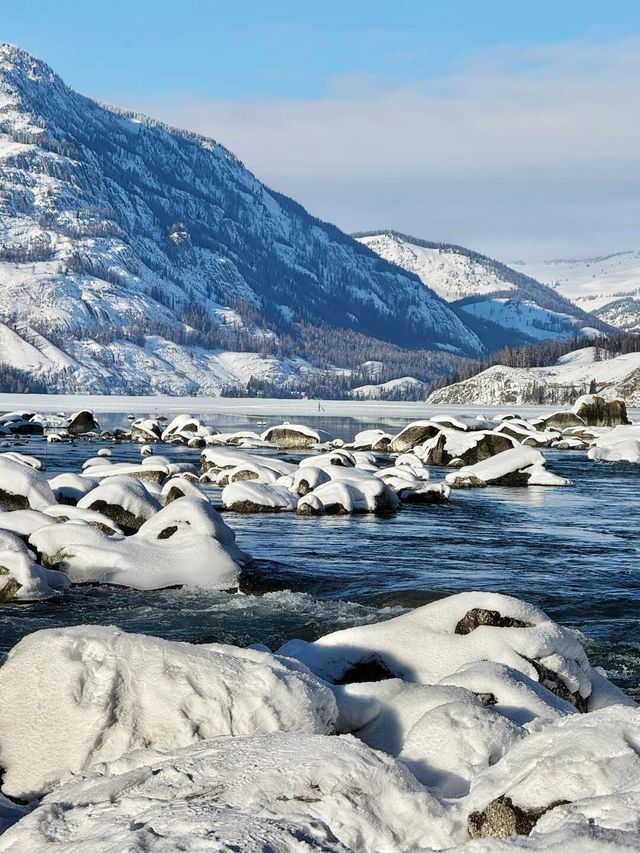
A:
475	717
330	793
72	697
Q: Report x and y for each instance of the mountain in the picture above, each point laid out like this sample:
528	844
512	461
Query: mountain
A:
504	306
608	286
575	373
137	258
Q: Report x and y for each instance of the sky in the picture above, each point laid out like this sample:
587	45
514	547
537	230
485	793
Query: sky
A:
507	127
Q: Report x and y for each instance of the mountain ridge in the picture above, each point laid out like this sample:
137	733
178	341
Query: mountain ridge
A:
485	291
112	221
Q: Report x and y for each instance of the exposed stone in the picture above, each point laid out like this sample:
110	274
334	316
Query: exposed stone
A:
502	819
368	669
552	681
82	422
488	444
412	435
480	616
9	590
250	506
126	521
598	412
427	495
560	420
9	501
285	437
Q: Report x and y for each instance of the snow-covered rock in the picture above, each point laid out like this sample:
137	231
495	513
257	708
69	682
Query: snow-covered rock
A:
71	697
186	543
370	494
69	488
413	434
250	496
82	422
363	799
576	758
22	487
621	444
295	435
520	466
450	446
598	411
124	499
21	578
433	642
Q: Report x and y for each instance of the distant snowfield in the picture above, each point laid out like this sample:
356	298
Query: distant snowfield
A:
248	406
607	286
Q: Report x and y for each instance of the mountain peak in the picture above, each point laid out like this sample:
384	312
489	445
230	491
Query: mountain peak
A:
20	66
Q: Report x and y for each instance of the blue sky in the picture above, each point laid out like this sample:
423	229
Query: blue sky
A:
247	49
432	117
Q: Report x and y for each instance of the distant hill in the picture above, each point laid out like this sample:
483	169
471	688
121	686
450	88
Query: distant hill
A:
608	286
578	372
504	306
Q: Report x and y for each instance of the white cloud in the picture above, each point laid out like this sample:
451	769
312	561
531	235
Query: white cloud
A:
521	154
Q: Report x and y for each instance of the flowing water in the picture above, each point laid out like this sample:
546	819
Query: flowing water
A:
572	551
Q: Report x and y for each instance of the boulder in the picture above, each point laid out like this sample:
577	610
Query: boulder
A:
295	435
560	420
466	448
594	410
412	435
82	422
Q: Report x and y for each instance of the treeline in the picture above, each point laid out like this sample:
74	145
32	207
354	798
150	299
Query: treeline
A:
546	354
14	381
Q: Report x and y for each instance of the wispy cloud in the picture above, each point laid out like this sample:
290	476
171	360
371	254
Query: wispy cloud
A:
520	153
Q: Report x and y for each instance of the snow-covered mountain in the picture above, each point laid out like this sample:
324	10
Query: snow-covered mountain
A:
135	257
608	286
575	373
504	306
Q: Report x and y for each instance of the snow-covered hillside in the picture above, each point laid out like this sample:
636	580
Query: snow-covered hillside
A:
133	254
503	305
405	388
608	286
574	374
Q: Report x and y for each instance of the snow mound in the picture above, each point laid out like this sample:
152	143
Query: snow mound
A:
520	466
21	578
75	696
621	444
250	496
123	499
576	758
155	557
22	486
295	435
433	642
366	801
370	494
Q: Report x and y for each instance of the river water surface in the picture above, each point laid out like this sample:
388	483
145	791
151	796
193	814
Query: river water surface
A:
573	551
